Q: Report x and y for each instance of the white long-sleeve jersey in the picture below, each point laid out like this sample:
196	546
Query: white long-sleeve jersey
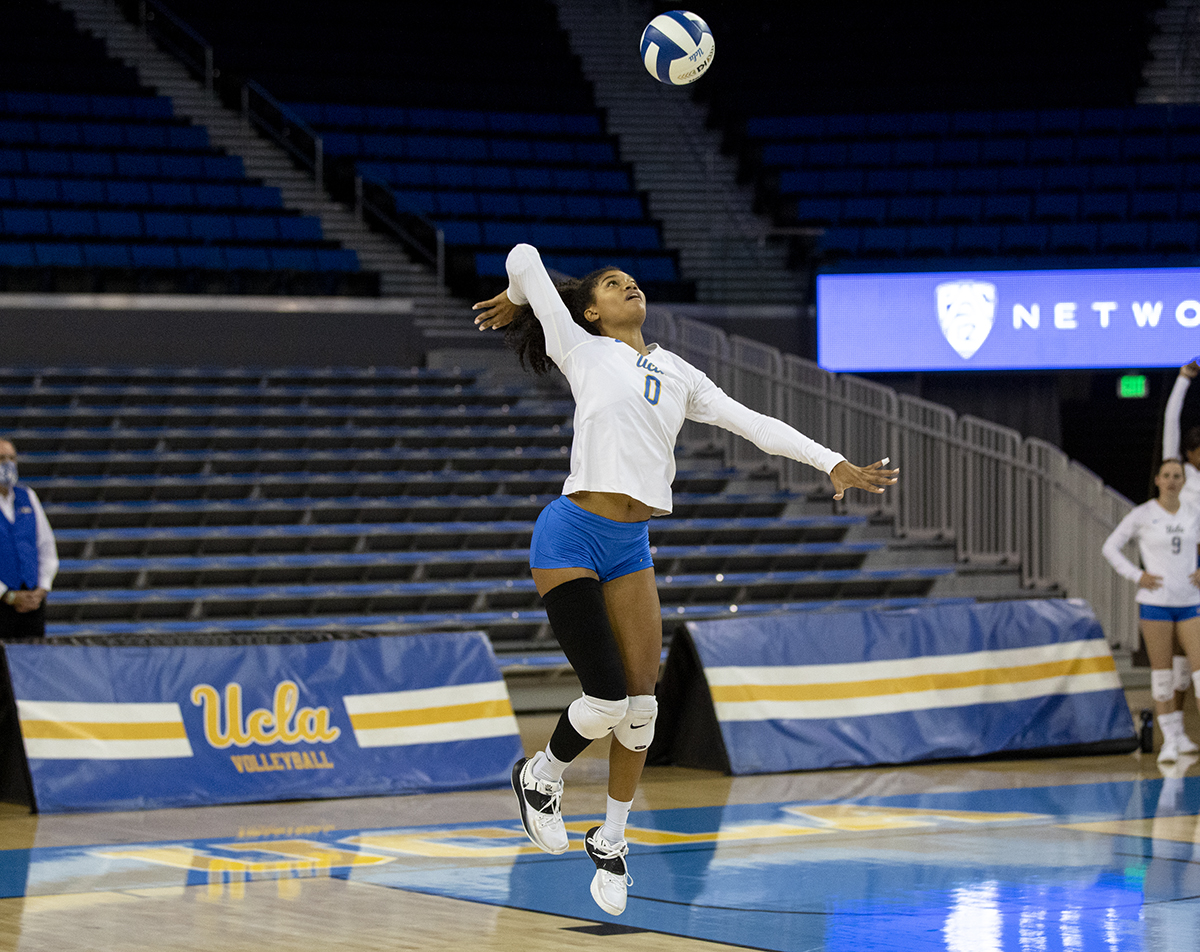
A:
1172	431
1167	543
629	407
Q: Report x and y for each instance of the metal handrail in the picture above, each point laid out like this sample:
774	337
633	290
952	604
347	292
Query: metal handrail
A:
286	127
375	201
179	39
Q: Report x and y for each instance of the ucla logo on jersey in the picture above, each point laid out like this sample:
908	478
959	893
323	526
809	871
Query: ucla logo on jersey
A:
646	365
1175	529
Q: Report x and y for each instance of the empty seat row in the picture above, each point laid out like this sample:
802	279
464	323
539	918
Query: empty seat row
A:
466	148
201	227
1147	118
332	116
25	222
88	191
147	541
206	257
644	267
135	165
1060	150
952	209
982	180
543	235
103	135
519	204
497	176
77	105
1078	238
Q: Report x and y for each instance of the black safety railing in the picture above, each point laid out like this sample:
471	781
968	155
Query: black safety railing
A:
376	204
176	37
293	134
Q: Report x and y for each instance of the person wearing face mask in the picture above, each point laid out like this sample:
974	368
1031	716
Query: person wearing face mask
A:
28	554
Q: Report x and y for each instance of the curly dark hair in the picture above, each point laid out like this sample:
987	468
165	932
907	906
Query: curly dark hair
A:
525	335
1190	441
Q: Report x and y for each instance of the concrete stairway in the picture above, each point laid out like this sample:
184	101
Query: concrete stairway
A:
400	276
706	215
1173	73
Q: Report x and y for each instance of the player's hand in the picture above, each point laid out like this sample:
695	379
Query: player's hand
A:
497	312
1190	370
873	478
1194	578
1150	582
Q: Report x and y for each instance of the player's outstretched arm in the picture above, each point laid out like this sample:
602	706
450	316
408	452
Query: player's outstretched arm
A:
873	478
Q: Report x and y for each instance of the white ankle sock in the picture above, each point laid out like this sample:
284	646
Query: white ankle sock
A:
615	818
547	767
1171	724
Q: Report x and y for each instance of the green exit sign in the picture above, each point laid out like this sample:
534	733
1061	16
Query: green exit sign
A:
1132	387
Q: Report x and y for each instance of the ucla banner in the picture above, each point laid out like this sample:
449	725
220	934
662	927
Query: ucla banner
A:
125	728
1001	320
803	692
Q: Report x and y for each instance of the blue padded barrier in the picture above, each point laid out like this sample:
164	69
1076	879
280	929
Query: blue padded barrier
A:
868	687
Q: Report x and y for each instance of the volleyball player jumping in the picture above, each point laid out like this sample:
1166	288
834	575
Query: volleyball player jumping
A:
590	552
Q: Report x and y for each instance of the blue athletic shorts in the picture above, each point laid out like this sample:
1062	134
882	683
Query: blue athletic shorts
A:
1168	612
568	536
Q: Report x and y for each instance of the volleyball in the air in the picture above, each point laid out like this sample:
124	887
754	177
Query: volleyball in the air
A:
677	47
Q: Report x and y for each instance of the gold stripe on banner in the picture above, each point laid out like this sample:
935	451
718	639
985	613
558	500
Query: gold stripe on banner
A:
90	730
431	715
980	677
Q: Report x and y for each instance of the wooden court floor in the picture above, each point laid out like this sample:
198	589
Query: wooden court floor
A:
1064	854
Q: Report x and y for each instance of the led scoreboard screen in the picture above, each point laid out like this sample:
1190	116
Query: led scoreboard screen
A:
1008	320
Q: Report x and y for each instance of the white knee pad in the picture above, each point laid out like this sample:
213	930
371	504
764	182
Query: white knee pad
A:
594	717
1182	671
637	729
1162	685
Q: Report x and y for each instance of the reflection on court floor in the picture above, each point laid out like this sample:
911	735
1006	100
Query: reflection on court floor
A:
1104	866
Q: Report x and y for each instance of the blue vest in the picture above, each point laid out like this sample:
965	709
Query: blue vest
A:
18	544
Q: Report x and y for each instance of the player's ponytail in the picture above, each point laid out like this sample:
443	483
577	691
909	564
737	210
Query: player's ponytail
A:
525	336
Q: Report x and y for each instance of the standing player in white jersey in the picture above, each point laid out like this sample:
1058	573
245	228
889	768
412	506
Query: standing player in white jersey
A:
590	552
1186	447
1168	537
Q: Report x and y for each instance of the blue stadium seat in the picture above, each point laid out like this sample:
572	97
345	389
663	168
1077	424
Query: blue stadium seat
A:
886	241
217	196
1073	238
818	211
800	183
247	259
165	225
1006	208
1024	239
1058	121
461	232
914	152
57	133
204	257
146	137
976	180
418	200
41	162
974	123
341	259
16	255
887	182
504	233
72	224
1123	236
1015	122
102	135
58	255
1185	147
1145	148
930	181
493	176
887	125
1072	178
977	239
127	193
870	154
293	259
642	237
910	210
181	166
1051	207
260	196
542	205
152	256
6	190
457	203
1154	206
840	241
842	182
223	167
25	221
1105	206
931	240
586	206
1173	236
1189	205
550	235
12	160
92	163
930	124
655	269
1051	149
261	228
958	152
299	228
512	150
35	190
106	256
1103	120
1148	118
826	155
1167	175
1114	177
508	205
136	165
601	236
187	137
850	126
532	179
211	227
1004	151
863	211
951	209
1098	149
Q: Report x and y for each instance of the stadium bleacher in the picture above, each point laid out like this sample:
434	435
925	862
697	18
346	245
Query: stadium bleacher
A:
535	164
216	501
103	188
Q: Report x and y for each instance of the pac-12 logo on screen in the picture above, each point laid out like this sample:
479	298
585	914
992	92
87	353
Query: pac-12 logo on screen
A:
966	311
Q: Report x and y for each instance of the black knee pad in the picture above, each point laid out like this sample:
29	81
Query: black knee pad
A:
579	619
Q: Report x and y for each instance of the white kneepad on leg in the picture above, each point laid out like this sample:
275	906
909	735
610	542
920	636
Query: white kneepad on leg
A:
595	717
1162	685
637	729
1182	672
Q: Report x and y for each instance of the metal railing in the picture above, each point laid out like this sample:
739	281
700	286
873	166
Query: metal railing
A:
280	123
1001	498
177	38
